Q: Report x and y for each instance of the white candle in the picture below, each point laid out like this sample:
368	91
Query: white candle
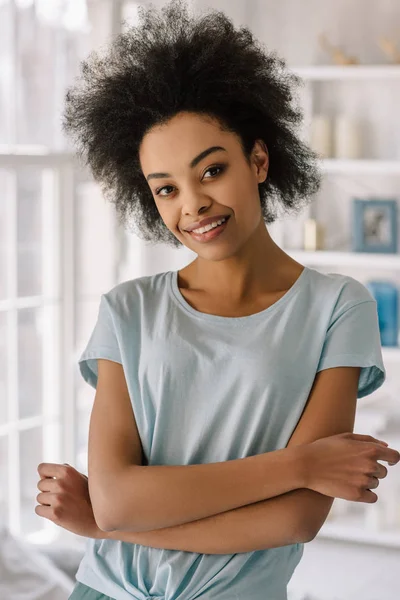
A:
321	135
313	235
346	138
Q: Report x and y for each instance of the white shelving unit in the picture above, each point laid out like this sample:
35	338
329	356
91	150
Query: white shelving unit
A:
332	166
352	528
360	167
369	260
360	72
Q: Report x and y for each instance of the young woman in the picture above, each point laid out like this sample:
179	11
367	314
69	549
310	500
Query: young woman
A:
226	391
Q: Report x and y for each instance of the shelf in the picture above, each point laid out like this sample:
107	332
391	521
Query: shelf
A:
353	530
339	72
368	260
361	166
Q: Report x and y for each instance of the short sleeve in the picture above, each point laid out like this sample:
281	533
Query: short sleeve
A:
353	340
103	343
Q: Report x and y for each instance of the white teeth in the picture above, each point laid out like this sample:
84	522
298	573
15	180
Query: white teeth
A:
209	226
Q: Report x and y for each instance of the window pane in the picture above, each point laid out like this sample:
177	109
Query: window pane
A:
30	361
51	38
4	208
3	371
29	231
95	240
30	456
4	480
6	72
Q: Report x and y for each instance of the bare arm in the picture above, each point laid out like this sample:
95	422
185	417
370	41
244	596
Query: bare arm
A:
268	524
152	497
130	497
294	517
155	497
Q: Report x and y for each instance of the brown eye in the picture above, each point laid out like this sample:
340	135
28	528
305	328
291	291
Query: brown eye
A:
220	169
157	192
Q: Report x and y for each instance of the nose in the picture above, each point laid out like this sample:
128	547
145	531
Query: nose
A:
195	203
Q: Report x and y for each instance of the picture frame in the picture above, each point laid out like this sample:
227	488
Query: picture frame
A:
375	226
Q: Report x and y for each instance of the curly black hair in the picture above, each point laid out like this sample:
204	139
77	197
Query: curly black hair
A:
172	62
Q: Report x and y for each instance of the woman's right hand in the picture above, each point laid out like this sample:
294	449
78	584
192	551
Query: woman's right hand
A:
345	466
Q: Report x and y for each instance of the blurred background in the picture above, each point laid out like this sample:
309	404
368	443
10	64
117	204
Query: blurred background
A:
61	248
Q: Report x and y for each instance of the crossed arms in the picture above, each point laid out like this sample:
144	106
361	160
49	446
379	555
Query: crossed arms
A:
243	505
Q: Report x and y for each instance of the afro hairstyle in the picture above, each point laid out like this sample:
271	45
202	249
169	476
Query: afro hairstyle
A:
170	62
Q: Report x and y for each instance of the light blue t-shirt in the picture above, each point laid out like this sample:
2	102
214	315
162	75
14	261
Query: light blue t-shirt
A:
206	388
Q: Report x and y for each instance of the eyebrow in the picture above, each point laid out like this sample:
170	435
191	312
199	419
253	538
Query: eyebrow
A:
193	163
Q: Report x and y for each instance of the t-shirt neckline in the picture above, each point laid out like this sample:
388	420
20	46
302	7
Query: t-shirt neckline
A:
255	317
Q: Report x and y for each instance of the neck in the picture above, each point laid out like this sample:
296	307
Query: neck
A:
262	267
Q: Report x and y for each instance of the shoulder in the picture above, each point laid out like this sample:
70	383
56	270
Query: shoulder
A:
339	291
134	294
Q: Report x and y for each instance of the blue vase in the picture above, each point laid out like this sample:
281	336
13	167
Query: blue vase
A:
387	298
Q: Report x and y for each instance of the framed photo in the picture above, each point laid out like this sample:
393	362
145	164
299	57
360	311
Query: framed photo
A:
375	225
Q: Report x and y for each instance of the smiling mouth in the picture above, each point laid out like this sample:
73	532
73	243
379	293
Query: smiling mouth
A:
211	233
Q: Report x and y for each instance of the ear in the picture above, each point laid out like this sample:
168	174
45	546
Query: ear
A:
261	160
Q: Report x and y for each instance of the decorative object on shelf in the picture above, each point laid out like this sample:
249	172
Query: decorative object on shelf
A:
313	235
321	135
339	57
387	298
389	48
347	137
375	225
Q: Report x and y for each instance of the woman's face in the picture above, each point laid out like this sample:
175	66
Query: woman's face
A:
220	182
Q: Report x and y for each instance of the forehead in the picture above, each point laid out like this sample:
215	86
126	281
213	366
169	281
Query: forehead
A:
180	139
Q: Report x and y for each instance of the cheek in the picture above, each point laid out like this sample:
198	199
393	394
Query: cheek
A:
241	186
164	211
171	217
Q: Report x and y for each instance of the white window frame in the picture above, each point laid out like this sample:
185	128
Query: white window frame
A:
59	402
59	276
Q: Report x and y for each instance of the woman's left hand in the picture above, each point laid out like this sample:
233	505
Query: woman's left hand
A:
65	500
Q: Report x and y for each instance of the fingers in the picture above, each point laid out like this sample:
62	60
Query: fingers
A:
44	499
51	469
389	455
381	471
47	485
44	511
373	483
369	497
368	438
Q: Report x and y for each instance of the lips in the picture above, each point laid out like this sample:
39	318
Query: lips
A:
205	222
210	234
